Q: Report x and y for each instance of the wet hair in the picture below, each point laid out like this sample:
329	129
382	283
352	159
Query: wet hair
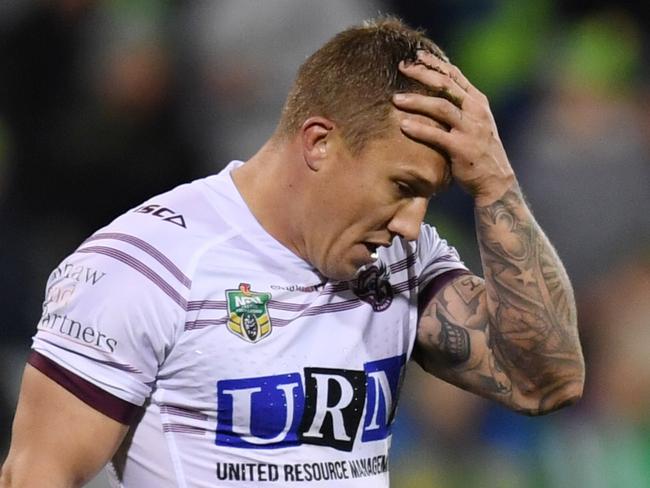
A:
352	78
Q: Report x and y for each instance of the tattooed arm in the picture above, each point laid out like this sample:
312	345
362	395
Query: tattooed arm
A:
512	337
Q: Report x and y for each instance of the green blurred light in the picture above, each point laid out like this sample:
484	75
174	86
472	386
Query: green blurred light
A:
501	50
603	52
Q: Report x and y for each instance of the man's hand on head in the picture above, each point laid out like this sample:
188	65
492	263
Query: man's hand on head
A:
513	336
478	160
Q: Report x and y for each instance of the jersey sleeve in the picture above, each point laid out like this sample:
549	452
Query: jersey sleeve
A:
110	317
436	257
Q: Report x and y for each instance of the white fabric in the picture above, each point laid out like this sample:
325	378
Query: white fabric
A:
142	310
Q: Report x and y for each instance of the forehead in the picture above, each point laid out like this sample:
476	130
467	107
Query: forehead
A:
397	154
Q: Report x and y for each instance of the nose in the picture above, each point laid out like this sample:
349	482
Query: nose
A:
408	218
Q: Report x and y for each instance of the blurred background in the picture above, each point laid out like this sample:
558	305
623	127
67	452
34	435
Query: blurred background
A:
106	103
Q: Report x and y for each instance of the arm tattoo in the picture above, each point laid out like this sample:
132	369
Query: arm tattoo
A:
531	312
449	342
453	341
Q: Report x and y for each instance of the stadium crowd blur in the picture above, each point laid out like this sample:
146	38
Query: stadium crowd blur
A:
105	103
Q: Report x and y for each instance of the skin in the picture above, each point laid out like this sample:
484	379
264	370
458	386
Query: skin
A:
48	419
352	200
511	337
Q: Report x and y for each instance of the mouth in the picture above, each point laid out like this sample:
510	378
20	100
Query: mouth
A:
372	250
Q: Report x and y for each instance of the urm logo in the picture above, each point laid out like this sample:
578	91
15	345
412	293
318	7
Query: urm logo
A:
325	409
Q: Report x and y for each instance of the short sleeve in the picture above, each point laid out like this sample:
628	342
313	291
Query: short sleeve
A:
435	256
109	318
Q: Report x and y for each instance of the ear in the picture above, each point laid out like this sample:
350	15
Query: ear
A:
316	135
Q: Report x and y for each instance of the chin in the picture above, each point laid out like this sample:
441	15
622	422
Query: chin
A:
340	273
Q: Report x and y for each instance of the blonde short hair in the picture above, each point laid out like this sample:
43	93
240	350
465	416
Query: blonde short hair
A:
352	78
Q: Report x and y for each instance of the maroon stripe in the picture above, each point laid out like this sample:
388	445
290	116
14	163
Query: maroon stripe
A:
102	401
291	307
337	287
319	310
221	305
307	312
406	285
184	429
201	324
332	307
123	367
437	284
405	263
207	305
282	322
150	250
141	268
182	412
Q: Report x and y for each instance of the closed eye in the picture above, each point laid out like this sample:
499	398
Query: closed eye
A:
405	190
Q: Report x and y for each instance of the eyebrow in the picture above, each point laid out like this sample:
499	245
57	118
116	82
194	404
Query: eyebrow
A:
424	183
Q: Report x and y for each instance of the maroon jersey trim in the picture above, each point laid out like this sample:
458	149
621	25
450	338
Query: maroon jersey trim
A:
102	401
437	284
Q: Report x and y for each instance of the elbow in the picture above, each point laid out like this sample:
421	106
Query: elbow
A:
560	395
555	394
565	396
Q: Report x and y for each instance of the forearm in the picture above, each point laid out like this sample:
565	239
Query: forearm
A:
524	350
532	325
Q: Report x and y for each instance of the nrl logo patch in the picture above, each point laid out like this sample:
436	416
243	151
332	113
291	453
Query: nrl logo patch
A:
248	314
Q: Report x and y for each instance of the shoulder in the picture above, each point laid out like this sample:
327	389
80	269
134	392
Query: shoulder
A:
426	259
165	232
430	247
147	253
430	240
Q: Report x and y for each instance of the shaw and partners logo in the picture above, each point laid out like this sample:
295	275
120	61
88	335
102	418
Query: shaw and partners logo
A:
248	314
326	408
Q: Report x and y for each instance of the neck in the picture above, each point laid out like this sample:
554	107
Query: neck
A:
269	184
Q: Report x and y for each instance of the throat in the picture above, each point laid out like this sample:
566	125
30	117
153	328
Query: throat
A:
272	202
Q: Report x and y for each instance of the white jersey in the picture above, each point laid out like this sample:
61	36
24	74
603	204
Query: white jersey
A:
250	367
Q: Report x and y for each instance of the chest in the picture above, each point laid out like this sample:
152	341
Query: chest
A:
249	321
281	362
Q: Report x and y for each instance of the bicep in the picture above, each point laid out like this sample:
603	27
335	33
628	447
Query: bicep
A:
58	437
453	341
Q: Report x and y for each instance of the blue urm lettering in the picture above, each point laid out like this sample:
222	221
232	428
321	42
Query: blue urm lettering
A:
260	412
326	408
383	379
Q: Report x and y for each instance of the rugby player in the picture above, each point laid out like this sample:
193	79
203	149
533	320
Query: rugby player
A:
253	327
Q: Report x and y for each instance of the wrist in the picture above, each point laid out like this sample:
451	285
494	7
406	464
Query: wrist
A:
493	192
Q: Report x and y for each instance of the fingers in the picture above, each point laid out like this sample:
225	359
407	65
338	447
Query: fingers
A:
437	80
438	109
432	62
424	130
454	119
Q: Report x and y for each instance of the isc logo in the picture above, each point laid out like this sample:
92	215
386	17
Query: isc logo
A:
279	411
166	214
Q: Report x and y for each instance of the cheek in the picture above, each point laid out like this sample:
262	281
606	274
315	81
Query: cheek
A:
355	204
